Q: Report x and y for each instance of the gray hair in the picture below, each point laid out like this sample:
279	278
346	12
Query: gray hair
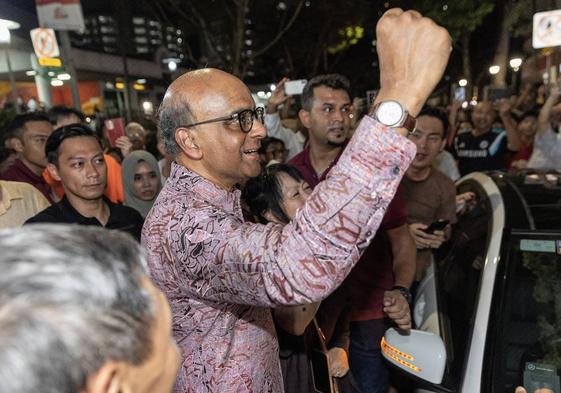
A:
173	113
70	300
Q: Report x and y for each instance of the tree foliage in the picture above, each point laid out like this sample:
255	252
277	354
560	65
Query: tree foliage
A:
459	17
275	37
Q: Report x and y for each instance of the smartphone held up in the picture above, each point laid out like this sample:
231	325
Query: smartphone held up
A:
294	88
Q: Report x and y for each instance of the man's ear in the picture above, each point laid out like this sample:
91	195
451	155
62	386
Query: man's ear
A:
187	141
443	144
53	171
14	143
305	118
108	379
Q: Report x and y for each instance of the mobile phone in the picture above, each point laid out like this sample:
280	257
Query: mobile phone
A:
115	129
293	88
436	226
460	94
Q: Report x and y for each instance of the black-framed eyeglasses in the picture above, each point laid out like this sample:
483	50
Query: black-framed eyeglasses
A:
245	118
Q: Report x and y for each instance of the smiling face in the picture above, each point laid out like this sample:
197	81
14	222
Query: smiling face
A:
293	195
81	168
429	139
219	151
483	117
329	118
528	126
145	182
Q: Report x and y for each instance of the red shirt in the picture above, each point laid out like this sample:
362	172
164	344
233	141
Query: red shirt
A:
373	274
19	172
302	162
523	154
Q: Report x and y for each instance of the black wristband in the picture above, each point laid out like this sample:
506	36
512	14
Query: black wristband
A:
404	291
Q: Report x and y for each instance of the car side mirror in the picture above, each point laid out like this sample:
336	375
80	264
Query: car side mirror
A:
420	354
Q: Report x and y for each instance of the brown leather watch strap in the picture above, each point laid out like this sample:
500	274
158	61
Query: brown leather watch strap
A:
409	123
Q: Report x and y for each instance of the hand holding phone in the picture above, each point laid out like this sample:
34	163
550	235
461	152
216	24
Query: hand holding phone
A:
436	226
292	88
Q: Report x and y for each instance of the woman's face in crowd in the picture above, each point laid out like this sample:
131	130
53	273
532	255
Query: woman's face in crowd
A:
145	185
528	126
294	194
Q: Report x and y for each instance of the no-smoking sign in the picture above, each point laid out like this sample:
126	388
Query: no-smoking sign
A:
44	43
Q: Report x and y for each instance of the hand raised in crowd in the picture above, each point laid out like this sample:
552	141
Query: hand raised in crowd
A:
425	240
124	144
413	52
504	106
278	97
555	90
338	362
397	309
463	201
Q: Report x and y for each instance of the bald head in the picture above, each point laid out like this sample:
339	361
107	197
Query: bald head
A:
191	95
483	117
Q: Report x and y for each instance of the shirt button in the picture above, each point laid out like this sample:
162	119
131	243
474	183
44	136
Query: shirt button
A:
395	170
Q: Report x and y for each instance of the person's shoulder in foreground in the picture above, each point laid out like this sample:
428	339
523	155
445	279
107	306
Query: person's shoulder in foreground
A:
78	315
18	202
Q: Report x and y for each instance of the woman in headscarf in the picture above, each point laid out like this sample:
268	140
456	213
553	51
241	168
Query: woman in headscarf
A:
141	180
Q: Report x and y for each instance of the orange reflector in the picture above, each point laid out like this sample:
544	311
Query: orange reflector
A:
398	356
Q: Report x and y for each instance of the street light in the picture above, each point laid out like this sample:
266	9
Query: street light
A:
172	63
494	69
5	27
462	82
515	63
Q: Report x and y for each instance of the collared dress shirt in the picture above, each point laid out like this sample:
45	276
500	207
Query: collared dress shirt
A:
222	275
19	202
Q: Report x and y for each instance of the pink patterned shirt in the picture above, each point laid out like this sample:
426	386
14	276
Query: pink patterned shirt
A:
222	275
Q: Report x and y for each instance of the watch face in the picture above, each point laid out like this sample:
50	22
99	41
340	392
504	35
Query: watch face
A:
389	113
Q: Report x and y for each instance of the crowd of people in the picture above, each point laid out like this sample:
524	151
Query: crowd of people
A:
284	253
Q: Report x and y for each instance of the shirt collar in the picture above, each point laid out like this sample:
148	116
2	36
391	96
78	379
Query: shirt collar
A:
74	215
308	163
8	195
183	179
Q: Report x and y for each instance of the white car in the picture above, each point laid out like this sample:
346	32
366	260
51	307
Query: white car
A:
493	294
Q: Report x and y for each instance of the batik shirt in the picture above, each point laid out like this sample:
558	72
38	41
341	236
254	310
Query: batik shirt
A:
222	275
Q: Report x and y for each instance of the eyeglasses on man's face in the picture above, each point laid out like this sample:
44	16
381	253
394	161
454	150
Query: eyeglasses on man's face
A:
245	118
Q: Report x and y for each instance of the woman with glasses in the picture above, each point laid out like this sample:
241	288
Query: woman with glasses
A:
313	338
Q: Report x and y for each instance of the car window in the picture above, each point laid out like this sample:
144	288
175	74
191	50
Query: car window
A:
525	348
459	269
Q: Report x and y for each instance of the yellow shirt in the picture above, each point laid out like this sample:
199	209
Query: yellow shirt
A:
18	203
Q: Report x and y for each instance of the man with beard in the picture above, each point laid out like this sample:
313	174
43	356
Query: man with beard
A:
326	110
485	147
382	277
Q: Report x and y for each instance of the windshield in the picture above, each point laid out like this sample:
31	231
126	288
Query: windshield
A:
525	343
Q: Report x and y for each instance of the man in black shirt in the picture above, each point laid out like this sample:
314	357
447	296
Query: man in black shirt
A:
485	147
75	158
